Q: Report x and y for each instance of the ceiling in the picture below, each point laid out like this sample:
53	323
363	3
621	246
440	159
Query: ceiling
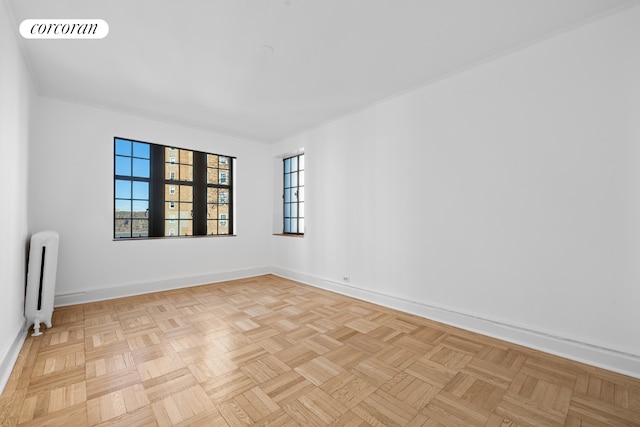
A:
268	69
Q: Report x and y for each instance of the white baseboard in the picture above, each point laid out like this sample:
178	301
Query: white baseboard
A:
567	347
154	286
8	359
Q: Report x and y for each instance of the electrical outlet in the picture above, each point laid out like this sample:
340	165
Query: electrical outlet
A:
345	279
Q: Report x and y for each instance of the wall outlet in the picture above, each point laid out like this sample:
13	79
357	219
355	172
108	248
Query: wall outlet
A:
345	279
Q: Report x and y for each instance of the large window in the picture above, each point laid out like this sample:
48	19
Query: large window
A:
167	191
293	195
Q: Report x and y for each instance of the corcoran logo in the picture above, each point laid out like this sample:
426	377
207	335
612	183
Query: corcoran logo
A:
64	29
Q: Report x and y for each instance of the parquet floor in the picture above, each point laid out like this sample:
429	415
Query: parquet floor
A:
269	351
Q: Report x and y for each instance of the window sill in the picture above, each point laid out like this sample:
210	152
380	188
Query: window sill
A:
128	239
300	236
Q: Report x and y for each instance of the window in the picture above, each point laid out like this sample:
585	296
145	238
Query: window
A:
132	179
293	195
218	194
166	191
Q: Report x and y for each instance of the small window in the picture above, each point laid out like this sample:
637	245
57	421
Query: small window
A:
293	195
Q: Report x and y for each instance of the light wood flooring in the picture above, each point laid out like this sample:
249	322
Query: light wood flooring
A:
269	351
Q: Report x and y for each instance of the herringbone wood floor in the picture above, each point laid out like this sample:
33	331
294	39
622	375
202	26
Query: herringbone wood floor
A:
270	351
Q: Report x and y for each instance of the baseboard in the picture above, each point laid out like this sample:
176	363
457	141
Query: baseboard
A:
154	286
567	347
8	360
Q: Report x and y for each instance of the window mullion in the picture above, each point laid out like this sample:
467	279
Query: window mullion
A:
199	193
156	192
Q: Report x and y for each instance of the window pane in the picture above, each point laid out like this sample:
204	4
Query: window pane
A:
294	194
185	228
301	178
170	152
186	193
123	208
287	209
171	228
170	208
287	165
301	210
141	190
123	147
186	173
123	189
140	149
224	178
294	225
301	225
223	227
212	161
212	227
301	194
223	196
141	168
294	210
212	195
224	162
294	179
287	195
301	162
186	157
294	164
123	228
170	193
123	165
140	228
287	225
171	171
223	210
140	209
212	176
185	210
287	180
212	211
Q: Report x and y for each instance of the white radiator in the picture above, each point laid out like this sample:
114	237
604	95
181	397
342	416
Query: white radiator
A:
41	279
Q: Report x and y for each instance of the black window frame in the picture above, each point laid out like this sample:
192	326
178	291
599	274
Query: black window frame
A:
157	182
294	192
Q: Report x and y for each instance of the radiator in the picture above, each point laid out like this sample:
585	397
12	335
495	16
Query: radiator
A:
41	280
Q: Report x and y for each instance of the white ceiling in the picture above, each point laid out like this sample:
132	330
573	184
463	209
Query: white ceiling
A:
201	62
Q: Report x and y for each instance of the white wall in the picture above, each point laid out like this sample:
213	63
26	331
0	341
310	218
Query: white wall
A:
71	192
16	98
505	198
